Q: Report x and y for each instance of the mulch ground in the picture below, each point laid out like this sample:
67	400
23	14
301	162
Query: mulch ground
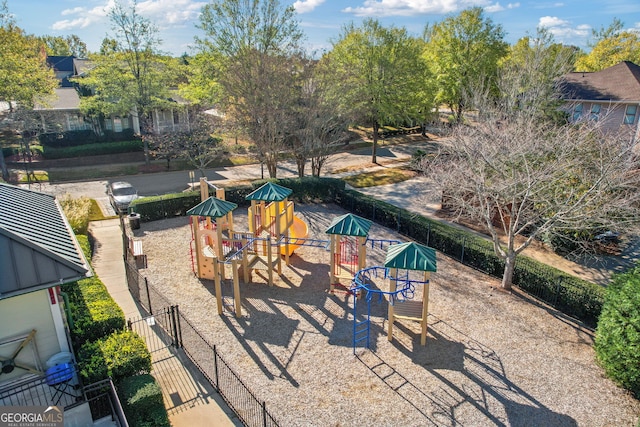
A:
491	358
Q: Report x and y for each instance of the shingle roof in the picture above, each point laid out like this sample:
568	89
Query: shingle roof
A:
212	208
618	83
37	246
349	225
65	98
270	192
411	256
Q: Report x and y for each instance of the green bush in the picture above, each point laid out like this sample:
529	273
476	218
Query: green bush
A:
617	341
142	399
121	355
67	139
93	149
95	313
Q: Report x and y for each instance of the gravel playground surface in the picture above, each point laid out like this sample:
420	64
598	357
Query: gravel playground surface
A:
492	357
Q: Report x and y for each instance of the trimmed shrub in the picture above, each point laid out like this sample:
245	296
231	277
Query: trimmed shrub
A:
143	404
617	342
67	139
92	149
95	313
120	355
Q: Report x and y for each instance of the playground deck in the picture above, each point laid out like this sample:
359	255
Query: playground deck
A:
491	358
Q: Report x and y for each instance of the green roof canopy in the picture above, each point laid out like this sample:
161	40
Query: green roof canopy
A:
350	225
270	192
212	208
411	256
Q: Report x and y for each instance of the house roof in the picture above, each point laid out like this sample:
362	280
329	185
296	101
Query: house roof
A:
618	83
411	256
349	225
270	192
212	208
64	98
38	249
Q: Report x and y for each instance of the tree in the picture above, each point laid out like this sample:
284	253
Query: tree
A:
319	130
463	51
131	79
251	43
617	342
70	45
611	46
24	75
377	76
196	145
522	176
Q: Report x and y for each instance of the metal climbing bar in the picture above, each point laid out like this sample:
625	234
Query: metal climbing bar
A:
382	242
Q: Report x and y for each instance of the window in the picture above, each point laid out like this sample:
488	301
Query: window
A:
595	112
117	124
577	112
630	114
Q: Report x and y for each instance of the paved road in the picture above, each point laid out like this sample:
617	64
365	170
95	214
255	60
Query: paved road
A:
172	182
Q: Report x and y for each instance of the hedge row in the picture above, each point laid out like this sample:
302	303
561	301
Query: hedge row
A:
92	149
81	137
304	190
106	349
119	355
571	295
95	313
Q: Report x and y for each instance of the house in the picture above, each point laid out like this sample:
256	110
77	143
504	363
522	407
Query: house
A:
38	253
61	112
611	95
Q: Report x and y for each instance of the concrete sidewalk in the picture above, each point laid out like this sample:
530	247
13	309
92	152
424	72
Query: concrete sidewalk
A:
189	398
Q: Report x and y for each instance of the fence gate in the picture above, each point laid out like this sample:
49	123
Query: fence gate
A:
159	330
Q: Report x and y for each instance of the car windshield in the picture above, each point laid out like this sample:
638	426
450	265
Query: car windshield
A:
124	191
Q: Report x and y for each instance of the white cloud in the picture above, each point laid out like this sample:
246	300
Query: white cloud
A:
166	13
84	17
305	6
563	29
494	8
412	7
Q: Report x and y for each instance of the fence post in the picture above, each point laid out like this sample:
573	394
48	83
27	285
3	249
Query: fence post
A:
174	327
130	324
146	285
428	232
215	368
179	325
264	413
464	242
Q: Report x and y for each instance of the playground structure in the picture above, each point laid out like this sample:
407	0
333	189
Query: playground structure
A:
217	245
401	261
348	245
275	231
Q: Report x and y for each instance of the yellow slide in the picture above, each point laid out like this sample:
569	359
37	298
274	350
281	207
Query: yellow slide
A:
298	230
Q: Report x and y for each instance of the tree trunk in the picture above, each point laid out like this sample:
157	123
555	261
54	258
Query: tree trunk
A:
509	267
272	167
3	166
301	164
374	148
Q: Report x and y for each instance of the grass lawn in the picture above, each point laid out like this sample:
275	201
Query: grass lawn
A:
380	177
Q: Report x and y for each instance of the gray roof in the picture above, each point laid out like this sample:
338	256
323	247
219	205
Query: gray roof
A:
64	98
618	83
38	249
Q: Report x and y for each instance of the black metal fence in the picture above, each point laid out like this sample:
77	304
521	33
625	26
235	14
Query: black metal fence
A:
249	409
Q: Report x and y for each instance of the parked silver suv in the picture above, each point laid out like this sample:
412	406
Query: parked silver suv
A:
121	194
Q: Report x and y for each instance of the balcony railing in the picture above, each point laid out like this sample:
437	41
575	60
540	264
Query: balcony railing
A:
35	390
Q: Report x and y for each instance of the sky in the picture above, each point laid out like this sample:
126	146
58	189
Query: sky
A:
569	21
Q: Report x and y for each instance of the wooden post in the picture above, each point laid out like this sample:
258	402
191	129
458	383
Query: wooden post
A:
270	261
245	261
332	263
219	250
425	308
392	288
236	289
362	252
218	284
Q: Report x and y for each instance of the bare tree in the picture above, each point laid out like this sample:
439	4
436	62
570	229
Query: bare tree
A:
521	175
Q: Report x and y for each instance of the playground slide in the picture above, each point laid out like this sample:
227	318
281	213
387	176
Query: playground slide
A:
298	230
